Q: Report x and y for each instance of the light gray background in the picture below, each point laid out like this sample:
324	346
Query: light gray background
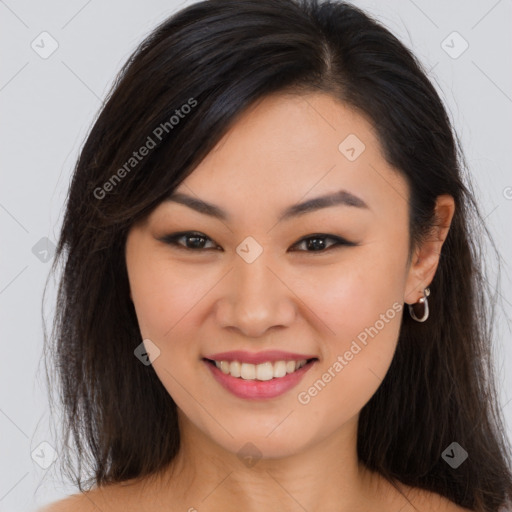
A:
49	104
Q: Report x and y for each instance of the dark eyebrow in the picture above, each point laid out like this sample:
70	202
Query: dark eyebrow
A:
341	198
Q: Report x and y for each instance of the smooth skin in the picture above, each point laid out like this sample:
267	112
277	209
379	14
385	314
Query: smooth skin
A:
284	150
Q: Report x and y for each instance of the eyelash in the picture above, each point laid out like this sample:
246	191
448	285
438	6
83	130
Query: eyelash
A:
173	238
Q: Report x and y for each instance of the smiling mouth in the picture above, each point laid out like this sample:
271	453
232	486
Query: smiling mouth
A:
268	370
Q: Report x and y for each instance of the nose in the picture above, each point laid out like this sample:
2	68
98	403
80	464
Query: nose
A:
255	299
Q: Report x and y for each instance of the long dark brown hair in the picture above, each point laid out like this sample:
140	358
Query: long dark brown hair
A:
177	95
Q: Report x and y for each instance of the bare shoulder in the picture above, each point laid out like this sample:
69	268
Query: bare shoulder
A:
74	503
427	501
435	503
112	498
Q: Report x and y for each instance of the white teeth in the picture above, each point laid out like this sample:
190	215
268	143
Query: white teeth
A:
235	368
279	369
263	371
247	371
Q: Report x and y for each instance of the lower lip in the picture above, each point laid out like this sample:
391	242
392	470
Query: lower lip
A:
259	389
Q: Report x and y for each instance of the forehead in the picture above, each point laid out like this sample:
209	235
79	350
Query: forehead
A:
289	148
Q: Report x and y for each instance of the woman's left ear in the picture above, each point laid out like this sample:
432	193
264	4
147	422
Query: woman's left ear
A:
426	258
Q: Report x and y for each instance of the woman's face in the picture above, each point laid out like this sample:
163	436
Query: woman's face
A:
257	280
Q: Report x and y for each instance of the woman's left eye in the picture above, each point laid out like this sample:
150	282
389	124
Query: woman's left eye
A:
315	242
312	242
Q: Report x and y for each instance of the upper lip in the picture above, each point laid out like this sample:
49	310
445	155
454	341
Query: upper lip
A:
258	357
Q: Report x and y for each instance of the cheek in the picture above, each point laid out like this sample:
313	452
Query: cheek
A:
360	304
164	298
162	295
352	294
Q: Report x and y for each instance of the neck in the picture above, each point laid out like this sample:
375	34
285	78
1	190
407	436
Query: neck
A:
323	476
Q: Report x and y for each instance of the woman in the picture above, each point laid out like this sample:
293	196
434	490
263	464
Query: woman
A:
271	295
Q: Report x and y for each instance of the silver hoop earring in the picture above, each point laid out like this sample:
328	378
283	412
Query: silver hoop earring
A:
422	302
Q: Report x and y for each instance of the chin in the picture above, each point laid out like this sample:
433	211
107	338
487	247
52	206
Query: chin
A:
253	443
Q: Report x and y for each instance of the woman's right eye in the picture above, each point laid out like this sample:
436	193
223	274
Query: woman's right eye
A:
197	240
